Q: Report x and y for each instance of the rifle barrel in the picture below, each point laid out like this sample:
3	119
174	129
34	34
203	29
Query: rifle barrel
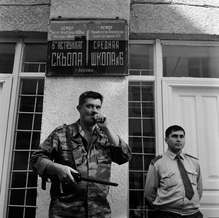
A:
91	179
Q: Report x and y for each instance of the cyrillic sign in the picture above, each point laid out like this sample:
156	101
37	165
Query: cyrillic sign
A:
87	47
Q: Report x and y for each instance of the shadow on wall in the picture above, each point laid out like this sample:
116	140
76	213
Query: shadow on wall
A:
173	17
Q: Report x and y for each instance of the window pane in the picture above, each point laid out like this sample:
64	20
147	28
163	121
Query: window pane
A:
39	104
141	57
35	58
25	121
136	162
15	212
136	199
27	104
137	213
32	179
37	122
191	61
18	180
134	127
149	145
23	140
147	91
148	109
20	160
148	127
17	197
136	180
30	213
31	197
134	109
35	140
35	52
29	86
136	144
147	160
134	92
6	57
40	90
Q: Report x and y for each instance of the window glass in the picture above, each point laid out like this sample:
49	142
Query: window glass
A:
140	59
23	181
191	61
35	58
7	51
142	143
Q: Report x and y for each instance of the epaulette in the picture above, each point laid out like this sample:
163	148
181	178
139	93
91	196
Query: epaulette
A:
191	156
156	159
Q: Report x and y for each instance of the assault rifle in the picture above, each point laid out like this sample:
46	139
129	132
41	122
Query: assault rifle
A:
78	177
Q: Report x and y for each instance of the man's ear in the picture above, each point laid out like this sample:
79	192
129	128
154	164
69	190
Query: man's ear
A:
78	107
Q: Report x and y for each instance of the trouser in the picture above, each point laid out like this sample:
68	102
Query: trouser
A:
61	209
164	214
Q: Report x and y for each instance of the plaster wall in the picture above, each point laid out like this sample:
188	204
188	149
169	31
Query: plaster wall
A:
204	3
60	101
24	15
90	9
175	17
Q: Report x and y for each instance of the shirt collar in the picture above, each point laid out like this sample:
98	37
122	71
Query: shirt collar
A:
79	130
172	155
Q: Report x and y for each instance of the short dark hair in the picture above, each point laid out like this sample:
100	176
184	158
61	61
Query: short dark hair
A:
173	128
90	94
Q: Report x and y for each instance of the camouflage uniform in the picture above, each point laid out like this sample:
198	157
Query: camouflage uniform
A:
86	199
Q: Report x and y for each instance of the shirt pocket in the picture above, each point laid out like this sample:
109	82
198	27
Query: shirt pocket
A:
192	176
65	154
169	180
103	156
78	154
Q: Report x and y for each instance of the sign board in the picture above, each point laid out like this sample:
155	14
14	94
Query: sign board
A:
88	47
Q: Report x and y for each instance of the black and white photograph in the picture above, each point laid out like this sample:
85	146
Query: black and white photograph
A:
109	109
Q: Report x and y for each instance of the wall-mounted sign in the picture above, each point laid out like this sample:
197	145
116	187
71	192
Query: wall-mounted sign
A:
87	47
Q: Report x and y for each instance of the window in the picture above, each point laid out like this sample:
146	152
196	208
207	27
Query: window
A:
22	191
141	127
191	61
23	183
7	51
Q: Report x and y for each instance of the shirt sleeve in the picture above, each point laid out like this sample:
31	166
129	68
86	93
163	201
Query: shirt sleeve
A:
122	153
151	185
45	155
199	183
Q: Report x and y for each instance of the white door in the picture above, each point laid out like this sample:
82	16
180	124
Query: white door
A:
194	104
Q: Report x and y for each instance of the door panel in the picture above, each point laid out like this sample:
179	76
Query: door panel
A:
195	106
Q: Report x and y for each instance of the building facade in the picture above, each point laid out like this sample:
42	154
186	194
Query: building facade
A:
172	78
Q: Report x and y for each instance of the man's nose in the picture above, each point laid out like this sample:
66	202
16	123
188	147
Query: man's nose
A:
94	110
179	138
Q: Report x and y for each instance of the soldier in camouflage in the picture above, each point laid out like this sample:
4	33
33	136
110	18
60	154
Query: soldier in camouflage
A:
88	146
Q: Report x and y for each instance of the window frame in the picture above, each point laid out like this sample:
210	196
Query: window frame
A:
156	80
188	43
17	75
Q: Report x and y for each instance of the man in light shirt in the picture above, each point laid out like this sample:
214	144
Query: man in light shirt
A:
174	184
